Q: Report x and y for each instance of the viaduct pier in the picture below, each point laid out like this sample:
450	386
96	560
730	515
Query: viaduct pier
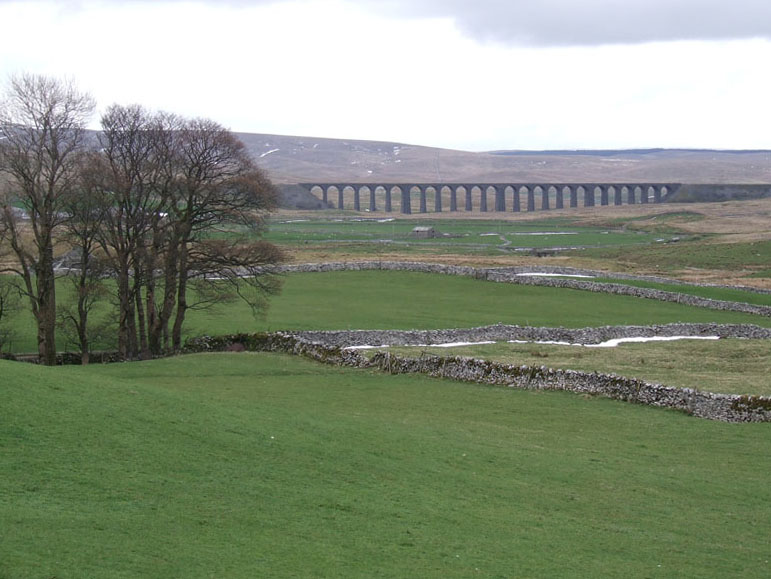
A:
484	197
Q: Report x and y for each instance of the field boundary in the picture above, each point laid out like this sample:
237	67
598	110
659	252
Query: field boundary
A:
721	407
504	332
514	276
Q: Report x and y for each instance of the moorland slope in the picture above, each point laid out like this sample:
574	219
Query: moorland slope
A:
292	159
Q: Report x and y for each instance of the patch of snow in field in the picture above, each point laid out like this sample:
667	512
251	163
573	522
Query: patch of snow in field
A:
386	220
446	345
454	344
616	341
266	153
489	234
543	274
607	344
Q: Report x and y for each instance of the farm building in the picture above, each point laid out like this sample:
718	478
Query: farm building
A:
423	232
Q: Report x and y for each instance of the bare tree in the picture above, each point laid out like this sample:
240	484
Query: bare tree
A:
133	177
219	187
86	271
42	134
153	197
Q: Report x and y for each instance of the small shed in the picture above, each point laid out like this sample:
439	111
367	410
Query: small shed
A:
424	232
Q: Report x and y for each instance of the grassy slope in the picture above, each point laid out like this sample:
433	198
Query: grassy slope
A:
261	465
405	300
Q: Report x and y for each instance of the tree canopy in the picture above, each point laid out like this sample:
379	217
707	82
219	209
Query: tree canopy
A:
155	201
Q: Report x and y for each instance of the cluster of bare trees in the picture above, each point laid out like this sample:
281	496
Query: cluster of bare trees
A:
149	203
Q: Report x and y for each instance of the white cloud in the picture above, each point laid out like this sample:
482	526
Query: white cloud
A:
412	72
593	22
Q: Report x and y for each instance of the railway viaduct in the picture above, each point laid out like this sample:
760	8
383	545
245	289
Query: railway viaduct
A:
491	196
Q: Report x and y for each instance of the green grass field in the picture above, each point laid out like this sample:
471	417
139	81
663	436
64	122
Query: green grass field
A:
462	234
260	465
629	243
730	366
406	300
256	465
677	256
713	293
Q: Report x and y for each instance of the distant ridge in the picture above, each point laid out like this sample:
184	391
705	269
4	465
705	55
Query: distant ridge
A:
297	159
607	152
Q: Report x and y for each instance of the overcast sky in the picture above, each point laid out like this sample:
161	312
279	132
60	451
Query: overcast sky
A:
466	74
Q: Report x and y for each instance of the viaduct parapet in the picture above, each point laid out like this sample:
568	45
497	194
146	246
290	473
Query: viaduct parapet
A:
485	197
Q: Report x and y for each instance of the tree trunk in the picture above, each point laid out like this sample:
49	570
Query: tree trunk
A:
123	312
83	308
140	316
46	316
176	333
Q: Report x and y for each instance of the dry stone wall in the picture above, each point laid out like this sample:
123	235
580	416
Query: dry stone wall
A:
502	332
723	407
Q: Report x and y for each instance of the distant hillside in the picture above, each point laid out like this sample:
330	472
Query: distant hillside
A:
290	159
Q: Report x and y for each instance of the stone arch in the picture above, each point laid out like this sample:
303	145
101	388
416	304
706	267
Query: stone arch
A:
407	191
333	190
560	200
341	190
320	192
503	191
530	192
548	192
616	194
588	195
630	196
482	197
494	192
356	198
573	195
469	203
386	196
433	195
453	197
423	199
395	192
367	191
593	192
463	193
540	190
